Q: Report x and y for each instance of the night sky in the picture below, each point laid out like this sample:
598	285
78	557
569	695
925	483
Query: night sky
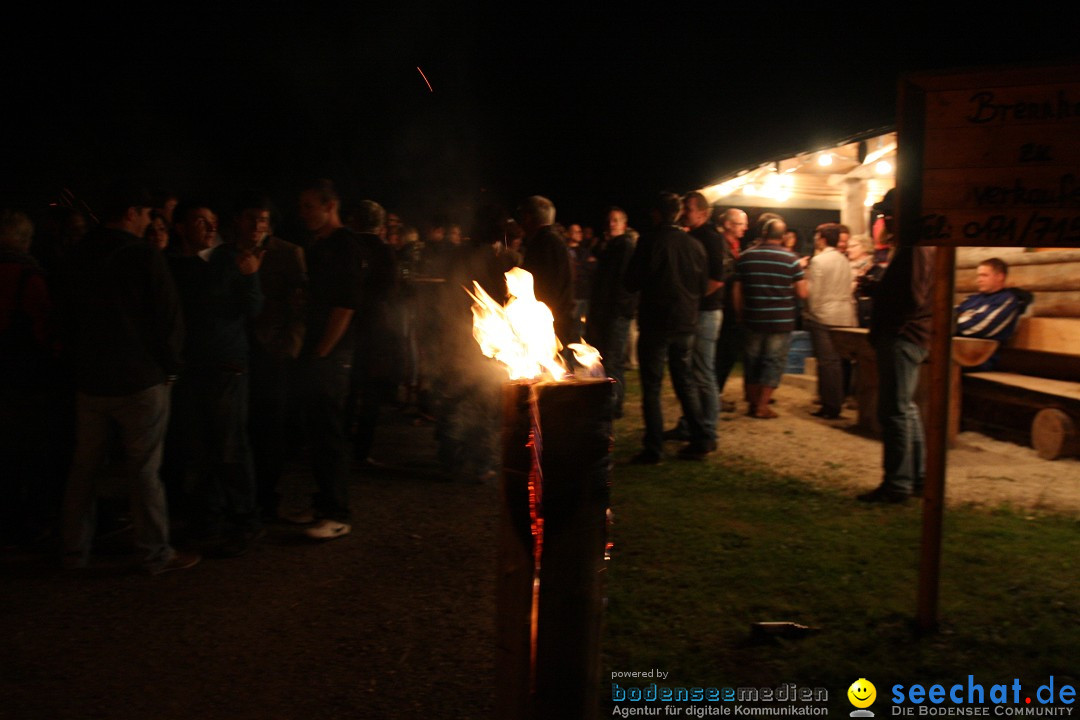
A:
596	106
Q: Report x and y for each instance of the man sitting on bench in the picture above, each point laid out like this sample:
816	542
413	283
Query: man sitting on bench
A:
991	313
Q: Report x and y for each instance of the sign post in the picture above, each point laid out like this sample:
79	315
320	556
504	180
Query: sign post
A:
985	158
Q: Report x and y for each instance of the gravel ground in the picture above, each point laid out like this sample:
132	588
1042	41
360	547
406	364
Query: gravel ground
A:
981	471
394	621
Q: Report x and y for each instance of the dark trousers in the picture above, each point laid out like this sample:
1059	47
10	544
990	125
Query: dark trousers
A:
729	349
611	338
324	386
830	367
653	350
268	422
210	436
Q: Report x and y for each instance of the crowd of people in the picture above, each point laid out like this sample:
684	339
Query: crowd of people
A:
191	357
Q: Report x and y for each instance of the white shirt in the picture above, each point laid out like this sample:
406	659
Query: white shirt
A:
830	301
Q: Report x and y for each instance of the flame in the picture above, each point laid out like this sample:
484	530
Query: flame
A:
588	360
521	334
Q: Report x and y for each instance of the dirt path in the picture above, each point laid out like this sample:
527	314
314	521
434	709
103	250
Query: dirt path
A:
981	471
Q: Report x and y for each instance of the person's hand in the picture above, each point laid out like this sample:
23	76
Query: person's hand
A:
249	261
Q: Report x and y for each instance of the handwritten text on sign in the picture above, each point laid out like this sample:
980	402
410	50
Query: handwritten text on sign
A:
1001	166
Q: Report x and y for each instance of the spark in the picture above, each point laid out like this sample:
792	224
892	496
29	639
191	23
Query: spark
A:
425	78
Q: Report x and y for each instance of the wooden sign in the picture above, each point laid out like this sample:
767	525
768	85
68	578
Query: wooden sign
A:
991	158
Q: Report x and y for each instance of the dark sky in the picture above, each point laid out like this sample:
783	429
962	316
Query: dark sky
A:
594	106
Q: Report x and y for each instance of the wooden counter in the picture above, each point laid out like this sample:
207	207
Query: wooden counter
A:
854	344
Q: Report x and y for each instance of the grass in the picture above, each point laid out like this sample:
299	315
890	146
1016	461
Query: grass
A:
702	550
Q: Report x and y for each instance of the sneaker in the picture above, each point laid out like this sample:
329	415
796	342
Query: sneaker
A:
882	494
297	517
180	561
327	529
727	406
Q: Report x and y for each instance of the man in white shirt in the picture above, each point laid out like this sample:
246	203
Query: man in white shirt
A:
830	304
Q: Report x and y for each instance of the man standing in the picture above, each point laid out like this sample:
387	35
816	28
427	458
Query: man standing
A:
729	345
584	265
219	291
993	312
612	306
276	336
669	269
769	280
900	332
696	212
124	336
377	358
336	269
830	304
547	258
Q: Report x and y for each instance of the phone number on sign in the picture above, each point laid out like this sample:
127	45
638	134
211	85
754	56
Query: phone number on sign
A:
1033	231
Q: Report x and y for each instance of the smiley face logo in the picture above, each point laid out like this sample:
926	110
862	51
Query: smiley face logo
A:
862	693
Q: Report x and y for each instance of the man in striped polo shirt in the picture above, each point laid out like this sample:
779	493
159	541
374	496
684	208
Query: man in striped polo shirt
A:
768	280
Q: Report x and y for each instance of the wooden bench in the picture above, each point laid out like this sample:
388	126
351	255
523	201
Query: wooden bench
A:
1033	395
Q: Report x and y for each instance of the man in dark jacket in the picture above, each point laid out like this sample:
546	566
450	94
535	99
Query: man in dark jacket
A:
612	306
124	336
669	268
548	259
377	358
275	338
696	211
900	333
219	290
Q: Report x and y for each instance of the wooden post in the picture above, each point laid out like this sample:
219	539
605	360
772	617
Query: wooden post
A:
937	439
549	614
513	619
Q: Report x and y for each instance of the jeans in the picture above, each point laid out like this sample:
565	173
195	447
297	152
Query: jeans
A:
830	368
676	349
324	385
611	338
704	369
903	453
766	356
140	420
